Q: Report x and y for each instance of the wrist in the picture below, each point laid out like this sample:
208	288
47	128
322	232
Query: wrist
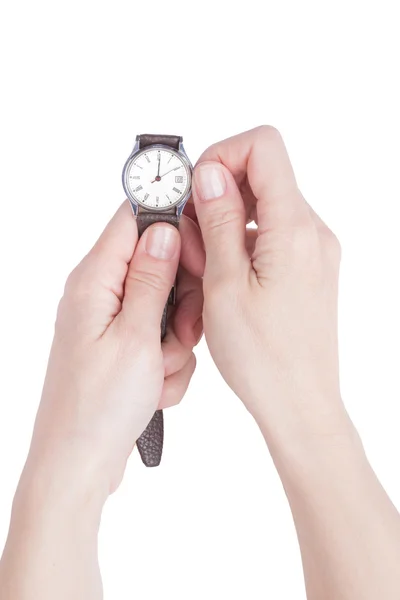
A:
62	483
298	426
312	453
53	532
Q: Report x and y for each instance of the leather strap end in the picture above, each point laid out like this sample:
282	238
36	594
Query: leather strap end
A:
150	443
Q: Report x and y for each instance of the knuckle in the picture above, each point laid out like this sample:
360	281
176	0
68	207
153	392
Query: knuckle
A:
309	242
79	298
150	280
211	150
79	283
210	153
61	315
61	308
307	248
331	243
223	218
72	281
191	365
268	133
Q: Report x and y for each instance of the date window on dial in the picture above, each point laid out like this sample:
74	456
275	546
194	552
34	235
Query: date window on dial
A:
178	178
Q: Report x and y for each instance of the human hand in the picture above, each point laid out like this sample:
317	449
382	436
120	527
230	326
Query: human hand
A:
108	370
270	295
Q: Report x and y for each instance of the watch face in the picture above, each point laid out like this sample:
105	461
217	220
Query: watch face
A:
157	178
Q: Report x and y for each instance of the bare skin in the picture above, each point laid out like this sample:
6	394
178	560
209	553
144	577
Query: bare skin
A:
274	289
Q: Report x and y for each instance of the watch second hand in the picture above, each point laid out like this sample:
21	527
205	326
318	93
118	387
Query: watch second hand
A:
161	176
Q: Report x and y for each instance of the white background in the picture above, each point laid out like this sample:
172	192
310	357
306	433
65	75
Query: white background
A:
79	80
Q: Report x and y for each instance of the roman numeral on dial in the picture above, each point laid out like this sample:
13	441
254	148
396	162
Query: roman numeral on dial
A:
176	190
145	197
139	187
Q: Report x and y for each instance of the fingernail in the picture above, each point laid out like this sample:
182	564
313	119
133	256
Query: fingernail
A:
210	181
161	242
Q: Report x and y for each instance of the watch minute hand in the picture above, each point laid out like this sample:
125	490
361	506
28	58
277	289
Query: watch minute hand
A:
174	169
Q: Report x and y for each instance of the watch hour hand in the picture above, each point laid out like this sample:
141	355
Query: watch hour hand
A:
159	177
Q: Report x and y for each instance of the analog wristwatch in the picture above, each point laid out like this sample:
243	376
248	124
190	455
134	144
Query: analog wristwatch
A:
157	180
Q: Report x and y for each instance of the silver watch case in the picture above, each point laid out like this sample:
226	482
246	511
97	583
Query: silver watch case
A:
178	208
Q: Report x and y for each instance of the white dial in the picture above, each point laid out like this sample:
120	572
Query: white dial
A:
157	178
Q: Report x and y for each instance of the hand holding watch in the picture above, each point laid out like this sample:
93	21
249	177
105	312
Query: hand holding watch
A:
157	180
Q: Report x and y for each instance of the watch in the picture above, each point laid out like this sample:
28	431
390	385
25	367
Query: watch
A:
157	179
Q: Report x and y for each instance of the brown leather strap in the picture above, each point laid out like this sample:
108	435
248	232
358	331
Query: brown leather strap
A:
144	220
150	443
148	139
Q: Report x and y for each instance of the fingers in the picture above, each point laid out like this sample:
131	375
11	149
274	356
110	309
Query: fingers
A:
222	219
183	333
187	321
175	354
190	211
179	362
150	276
193	256
260	156
175	385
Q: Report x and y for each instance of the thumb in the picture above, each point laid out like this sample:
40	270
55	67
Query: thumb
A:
222	218
150	277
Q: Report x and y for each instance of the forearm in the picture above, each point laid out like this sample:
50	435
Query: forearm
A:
51	550
348	529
